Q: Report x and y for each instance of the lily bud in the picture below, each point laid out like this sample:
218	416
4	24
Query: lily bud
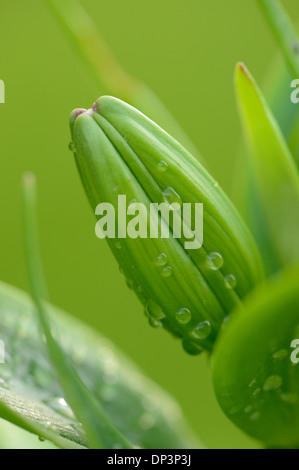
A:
163	201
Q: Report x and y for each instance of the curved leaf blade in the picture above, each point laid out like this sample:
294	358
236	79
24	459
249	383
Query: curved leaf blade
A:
273	170
256	383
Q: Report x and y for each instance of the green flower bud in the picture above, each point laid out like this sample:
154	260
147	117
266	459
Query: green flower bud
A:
186	287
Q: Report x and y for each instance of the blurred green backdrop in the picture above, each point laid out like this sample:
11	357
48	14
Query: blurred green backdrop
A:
186	52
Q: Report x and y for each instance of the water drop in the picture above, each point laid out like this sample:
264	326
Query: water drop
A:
118	245
172	197
162	166
252	384
234	410
167	271
255	416
183	316
214	261
72	147
130	283
117	446
60	406
147	421
191	348
161	260
134	201
230	281
290	398
154	311
202	330
272	383
154	323
248	409
256	392
281	354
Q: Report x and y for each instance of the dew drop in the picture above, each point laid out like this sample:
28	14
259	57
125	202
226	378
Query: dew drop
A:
191	348
290	398
162	166
154	323
230	281
214	261
130	283
248	409
118	245
234	410
72	147
272	383
252	384
281	354
202	330
183	316
153	310
60	406
147	421
161	260
255	416
167	271
172	197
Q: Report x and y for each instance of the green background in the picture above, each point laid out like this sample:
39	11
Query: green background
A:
186	52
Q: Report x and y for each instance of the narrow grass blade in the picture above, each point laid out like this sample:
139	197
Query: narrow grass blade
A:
284	31
274	173
107	71
254	376
100	432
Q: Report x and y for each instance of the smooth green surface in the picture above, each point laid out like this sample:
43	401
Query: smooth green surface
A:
255	380
186	52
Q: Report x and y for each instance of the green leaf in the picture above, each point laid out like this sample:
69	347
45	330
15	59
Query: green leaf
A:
31	397
284	31
256	383
273	173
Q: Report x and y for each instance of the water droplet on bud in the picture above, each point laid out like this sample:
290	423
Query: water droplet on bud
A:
183	316
214	261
